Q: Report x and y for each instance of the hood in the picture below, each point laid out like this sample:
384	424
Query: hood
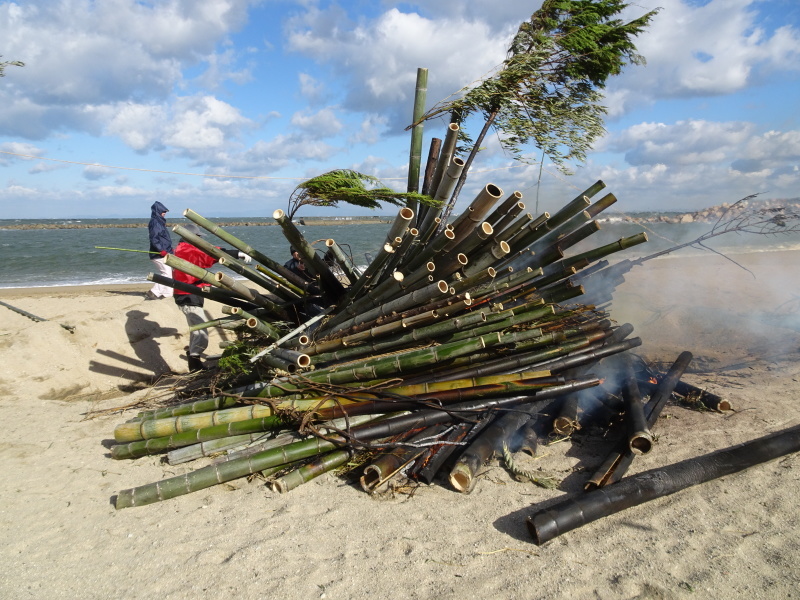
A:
157	209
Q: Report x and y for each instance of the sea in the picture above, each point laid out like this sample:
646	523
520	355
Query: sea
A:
68	257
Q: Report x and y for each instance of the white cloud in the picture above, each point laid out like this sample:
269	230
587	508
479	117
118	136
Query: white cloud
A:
311	88
714	49
684	143
97	172
320	124
200	123
378	59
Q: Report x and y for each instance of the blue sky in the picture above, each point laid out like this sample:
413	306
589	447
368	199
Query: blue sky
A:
224	106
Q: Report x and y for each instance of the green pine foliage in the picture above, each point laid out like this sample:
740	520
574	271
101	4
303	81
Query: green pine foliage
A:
351	187
548	90
9	63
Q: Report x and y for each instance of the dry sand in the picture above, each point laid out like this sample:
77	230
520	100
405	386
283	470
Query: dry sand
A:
733	537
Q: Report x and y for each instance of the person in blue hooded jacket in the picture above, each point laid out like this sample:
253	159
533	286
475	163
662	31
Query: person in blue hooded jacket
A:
160	246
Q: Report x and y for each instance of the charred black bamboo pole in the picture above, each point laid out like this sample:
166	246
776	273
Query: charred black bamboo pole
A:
566	423
430	169
489	442
709	400
460	435
640	439
581	509
619	461
389	464
589	356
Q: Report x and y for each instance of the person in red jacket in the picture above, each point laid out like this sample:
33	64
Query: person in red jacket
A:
191	305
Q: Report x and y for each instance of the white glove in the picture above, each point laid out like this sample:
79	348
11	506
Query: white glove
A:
245	257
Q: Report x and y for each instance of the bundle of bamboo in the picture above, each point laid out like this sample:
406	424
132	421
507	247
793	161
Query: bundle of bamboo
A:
459	342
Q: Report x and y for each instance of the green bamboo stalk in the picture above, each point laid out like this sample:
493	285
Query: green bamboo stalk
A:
323	464
417	335
314	264
234	265
521	231
195	406
280	273
268	284
220	473
235	321
394	260
217	294
603	251
342	260
510	217
415	154
430	250
399	225
187	438
251	295
193	270
211	447
415	298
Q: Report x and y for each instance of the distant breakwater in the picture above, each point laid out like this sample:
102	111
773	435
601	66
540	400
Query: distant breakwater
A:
308	221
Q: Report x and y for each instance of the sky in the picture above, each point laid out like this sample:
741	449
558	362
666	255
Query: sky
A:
225	106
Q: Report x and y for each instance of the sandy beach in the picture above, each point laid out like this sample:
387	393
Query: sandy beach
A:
104	347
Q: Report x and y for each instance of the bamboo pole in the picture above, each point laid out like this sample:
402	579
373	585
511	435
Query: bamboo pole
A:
448	148
250	295
342	260
304	474
314	263
619	460
581	509
220	473
217	294
477	210
415	153
284	275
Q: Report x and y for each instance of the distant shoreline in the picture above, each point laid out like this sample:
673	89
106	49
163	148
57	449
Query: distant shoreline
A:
307	221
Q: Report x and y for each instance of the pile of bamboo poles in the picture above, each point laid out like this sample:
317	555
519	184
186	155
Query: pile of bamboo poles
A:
453	335
458	342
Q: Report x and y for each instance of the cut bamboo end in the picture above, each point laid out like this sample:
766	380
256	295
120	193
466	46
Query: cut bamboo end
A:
303	361
724	405
128	432
443	287
487	228
278	486
462	259
641	442
564	426
406	213
278	214
371	479
303	340
398	276
462	478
